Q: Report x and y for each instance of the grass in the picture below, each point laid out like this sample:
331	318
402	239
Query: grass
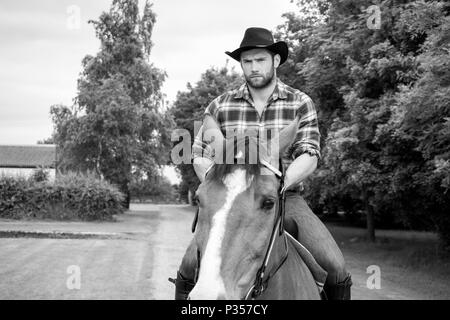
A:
412	259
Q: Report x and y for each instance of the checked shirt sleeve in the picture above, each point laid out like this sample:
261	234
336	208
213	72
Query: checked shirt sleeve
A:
200	148
308	135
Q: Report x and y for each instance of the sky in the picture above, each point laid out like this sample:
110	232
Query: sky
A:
42	44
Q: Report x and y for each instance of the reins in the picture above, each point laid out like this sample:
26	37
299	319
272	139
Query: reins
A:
260	284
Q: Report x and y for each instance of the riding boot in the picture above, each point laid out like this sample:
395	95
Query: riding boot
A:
339	291
183	286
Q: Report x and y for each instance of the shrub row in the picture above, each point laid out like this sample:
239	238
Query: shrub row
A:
71	197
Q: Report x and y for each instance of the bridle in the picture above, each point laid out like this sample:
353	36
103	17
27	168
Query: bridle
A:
261	282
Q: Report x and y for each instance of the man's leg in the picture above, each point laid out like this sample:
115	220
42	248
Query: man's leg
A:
307	228
185	281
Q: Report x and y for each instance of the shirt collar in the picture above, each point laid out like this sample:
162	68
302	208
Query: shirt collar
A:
278	93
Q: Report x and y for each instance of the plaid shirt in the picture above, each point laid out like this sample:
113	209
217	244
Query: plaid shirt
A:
235	110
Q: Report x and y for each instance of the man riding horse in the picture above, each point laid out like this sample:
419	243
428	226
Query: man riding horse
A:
263	102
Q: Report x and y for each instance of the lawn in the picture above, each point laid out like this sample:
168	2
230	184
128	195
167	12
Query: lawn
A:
408	259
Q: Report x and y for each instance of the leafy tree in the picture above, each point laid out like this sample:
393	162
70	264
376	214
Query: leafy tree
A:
158	189
116	126
382	151
419	127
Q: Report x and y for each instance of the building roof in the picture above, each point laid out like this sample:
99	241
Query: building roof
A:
30	156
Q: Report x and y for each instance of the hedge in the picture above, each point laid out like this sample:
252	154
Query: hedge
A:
72	196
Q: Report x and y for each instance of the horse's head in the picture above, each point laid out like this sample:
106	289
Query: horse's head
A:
237	212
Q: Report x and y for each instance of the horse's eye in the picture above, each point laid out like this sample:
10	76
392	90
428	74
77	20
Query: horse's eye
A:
268	204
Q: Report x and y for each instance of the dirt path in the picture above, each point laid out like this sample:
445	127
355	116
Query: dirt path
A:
403	261
365	286
169	245
131	259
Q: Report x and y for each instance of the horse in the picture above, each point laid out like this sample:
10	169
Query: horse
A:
241	247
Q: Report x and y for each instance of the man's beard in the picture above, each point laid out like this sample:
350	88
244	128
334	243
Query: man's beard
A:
261	82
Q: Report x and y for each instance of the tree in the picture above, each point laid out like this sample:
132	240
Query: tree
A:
116	126
420	123
381	149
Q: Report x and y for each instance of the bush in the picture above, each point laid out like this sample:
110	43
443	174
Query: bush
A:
158	190
12	195
71	197
40	175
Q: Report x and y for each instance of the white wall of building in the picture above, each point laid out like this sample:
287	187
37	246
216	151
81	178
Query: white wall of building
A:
25	172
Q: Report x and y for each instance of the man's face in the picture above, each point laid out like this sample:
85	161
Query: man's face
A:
259	67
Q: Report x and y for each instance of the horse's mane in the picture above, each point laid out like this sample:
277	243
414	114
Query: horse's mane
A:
219	171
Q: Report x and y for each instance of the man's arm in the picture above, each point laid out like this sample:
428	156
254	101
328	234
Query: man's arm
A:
201	166
306	148
299	170
201	151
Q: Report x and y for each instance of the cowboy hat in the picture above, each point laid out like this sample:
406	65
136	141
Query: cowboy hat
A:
260	38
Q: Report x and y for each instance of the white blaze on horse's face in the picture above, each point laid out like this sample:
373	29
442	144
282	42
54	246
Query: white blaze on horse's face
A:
210	283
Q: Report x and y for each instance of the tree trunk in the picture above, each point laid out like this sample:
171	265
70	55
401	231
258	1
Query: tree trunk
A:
370	219
190	197
126	201
97	162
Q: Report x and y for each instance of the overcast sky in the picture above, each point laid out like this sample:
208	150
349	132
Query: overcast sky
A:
42	48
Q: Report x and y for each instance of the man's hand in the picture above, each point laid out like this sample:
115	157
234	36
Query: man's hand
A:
201	165
299	170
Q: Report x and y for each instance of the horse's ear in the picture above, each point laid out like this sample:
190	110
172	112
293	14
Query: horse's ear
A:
212	135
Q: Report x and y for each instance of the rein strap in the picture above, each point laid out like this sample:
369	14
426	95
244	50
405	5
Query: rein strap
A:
260	284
